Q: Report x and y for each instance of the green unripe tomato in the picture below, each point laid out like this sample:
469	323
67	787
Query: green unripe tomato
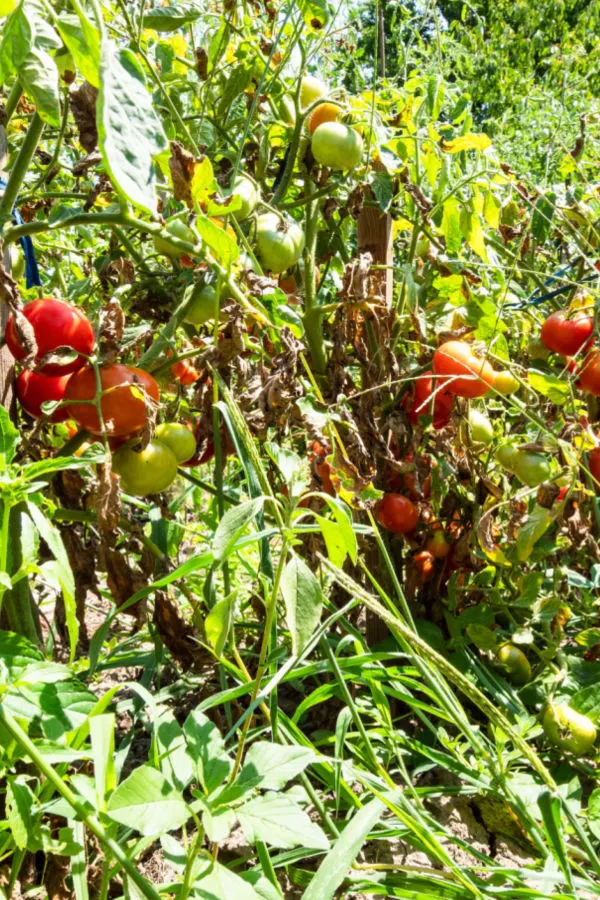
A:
515	664
244	188
567	729
423	247
311	89
480	428
179	230
280	244
337	146
17	261
178	438
505	454
148	472
203	306
531	468
287	109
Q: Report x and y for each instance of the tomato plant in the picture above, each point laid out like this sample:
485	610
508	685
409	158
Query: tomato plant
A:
55	325
127	394
279	243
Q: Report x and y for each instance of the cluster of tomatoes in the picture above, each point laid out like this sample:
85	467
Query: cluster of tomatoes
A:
112	399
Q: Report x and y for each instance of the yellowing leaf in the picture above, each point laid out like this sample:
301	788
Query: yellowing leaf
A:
400	224
491	209
467	142
202	181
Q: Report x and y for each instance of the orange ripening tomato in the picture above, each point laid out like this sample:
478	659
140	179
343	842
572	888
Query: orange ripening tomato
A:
567	336
438	544
425	564
325	112
397	513
185	372
594	467
125	391
466	374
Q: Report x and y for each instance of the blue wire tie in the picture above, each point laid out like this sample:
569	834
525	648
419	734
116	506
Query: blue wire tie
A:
32	273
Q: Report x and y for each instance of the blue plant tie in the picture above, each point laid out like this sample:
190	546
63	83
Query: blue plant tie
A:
32	274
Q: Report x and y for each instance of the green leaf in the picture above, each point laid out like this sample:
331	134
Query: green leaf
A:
169	745
451	226
275	764
303	602
587	701
338	861
593	811
16	40
293	469
39	76
20	806
383	190
216	882
223	246
535	525
61	570
435	95
491	209
232	525
218	823
169	18
129	131
555	389
543	213
314	13
83	42
341	539
553	826
146	802
276	820
17	654
57	708
90	456
9	439
206	749
218	622
102	737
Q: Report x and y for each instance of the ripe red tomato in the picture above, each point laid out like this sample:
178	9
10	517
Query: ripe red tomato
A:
467	375
323	470
55	324
34	389
419	402
589	373
567	336
123	404
396	513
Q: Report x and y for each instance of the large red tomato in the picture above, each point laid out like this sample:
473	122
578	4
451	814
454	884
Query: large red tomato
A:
467	375
123	403
567	336
396	513
34	389
419	403
55	324
589	373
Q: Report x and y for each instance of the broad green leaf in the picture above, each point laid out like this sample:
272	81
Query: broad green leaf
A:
223	246
314	13
16	41
146	802
435	95
169	749
338	861
169	18
279	822
451	229
471	227
218	622
303	602
83	42
20	806
90	456
58	708
467	142
232	525
216	882
292	468
543	213
587	701
17	654
218	823
130	133
275	764
555	389
102	737
61	570
9	439
39	76
206	749
535	525
345	537
553	826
